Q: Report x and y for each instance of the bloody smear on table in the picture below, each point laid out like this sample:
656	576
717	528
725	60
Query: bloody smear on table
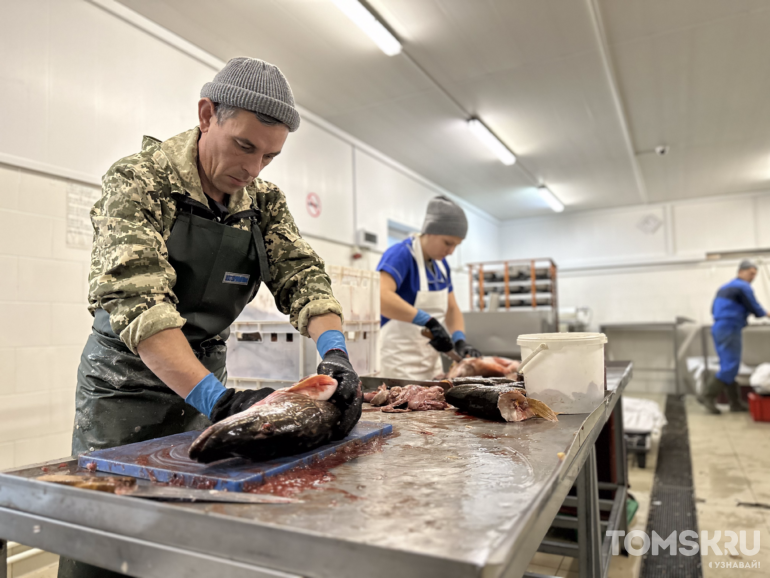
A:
317	473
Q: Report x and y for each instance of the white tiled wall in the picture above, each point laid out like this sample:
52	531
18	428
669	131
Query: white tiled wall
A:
43	318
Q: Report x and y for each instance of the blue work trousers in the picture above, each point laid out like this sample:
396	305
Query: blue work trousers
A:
727	341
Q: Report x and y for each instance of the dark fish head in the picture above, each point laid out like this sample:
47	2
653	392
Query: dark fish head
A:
291	425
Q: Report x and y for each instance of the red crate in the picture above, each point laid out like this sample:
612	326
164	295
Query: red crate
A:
759	407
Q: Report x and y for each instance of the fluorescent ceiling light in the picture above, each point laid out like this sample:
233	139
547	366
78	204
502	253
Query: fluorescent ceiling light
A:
493	143
546	194
367	22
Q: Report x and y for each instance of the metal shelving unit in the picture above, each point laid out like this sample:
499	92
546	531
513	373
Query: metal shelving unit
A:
514	284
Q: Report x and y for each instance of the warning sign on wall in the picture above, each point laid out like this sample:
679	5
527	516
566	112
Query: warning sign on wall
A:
313	204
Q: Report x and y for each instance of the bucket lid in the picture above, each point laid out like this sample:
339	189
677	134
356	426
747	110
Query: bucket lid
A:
535	339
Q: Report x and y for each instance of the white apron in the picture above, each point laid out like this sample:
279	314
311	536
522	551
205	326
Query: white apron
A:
405	352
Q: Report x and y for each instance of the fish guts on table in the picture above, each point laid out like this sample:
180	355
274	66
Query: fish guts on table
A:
415	397
286	422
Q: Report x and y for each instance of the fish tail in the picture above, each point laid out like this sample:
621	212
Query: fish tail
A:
540	409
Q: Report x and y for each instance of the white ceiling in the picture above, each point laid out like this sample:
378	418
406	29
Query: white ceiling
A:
691	74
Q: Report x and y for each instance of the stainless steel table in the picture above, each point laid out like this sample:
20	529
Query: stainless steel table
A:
448	496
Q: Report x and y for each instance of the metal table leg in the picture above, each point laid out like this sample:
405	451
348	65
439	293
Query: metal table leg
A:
589	530
3	558
621	458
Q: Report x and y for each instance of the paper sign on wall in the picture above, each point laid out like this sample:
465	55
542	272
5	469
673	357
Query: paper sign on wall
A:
80	199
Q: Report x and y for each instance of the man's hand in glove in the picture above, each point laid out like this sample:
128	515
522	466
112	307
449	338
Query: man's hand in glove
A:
217	402
348	397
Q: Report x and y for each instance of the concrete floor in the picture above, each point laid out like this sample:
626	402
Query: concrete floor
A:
731	464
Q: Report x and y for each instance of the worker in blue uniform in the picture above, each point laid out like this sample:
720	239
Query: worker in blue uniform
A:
733	304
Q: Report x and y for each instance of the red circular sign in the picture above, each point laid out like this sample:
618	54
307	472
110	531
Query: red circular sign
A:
313	204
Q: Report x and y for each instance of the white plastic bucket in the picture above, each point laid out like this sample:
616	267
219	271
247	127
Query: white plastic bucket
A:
568	371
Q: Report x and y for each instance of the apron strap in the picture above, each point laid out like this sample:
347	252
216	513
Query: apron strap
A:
440	268
417	254
190	204
259	241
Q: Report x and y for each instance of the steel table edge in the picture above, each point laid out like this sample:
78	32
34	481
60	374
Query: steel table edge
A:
291	550
509	557
113	552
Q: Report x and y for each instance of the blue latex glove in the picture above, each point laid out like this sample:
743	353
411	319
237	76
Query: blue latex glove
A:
331	339
205	394
217	402
458	336
421	318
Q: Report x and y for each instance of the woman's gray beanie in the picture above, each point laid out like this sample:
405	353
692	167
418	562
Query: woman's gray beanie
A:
444	217
254	85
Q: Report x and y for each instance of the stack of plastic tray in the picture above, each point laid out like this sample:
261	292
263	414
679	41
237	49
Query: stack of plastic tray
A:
264	349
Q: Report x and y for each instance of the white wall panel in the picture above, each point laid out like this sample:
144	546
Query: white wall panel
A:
762	218
312	160
714	226
593	244
384	193
585	238
84	87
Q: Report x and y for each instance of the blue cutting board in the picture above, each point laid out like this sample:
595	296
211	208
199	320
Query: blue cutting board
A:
165	460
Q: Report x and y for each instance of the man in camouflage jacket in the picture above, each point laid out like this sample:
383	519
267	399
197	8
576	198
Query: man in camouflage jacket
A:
183	234
169	218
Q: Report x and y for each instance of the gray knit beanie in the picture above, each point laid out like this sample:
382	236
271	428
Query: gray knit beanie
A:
254	85
444	217
746	264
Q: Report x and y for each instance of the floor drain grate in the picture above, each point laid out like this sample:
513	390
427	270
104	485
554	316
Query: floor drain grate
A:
672	501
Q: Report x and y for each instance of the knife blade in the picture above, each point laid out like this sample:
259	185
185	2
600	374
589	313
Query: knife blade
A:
373	383
173	493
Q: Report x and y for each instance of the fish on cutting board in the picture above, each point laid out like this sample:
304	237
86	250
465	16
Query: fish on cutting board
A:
483	367
498	402
409	398
289	421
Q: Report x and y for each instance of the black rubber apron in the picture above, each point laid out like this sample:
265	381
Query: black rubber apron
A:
119	400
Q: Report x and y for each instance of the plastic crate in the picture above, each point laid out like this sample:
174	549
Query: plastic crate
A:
759	407
264	349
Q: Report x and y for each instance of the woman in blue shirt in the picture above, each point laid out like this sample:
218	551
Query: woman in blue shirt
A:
733	304
416	291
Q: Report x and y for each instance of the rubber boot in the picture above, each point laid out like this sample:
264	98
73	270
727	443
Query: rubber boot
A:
734	397
711	390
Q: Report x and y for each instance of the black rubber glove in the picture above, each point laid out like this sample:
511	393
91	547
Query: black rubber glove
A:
233	402
464	349
348	397
441	339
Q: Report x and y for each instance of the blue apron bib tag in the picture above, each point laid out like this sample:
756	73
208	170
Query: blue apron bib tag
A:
236	279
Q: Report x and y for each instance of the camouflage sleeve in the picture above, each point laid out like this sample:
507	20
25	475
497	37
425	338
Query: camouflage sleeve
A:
130	275
300	285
